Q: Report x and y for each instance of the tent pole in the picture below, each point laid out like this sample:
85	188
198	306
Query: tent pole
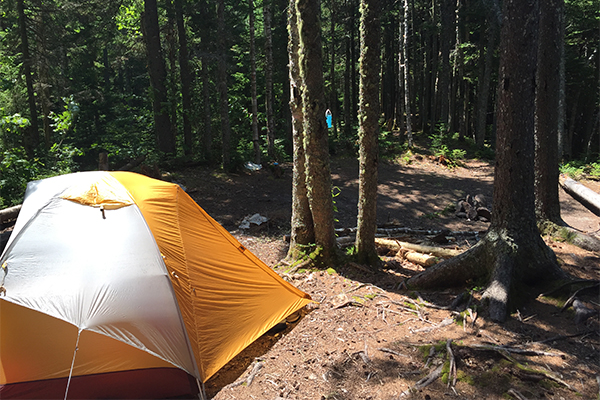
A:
72	363
202	390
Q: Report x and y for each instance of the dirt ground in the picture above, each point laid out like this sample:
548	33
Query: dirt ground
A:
366	337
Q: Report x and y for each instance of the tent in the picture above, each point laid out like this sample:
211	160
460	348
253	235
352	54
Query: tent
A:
116	285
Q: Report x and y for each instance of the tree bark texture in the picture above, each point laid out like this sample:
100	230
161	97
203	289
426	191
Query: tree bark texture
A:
512	254
186	79
546	112
315	129
222	82
158	75
370	65
302	232
253	95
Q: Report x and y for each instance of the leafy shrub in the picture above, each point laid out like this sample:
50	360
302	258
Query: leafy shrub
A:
15	171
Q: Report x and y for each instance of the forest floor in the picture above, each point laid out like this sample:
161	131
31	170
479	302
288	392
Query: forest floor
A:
369	338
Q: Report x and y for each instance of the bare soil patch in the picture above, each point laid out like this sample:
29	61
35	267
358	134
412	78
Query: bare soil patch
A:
367	337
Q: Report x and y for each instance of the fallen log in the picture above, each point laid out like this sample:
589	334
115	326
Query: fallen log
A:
584	195
9	213
436	251
425	260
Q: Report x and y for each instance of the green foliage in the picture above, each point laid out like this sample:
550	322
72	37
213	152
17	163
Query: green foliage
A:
579	169
63	122
12	128
15	171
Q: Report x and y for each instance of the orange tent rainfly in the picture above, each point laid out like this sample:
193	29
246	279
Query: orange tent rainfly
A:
116	285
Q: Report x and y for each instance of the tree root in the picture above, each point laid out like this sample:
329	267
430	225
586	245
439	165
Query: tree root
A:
506	262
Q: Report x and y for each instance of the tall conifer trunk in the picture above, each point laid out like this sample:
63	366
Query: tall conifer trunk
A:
315	130
547	111
302	232
269	79
186	79
404	63
158	77
222	84
512	255
255	136
370	64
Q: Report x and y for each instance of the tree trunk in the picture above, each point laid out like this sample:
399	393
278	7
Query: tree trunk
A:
171	82
32	138
370	64
547	204
186	80
561	89
353	58
222	83
44	78
302	232
447	18
483	92
332	81
269	79
347	94
158	75
404	62
315	130
512	254
253	95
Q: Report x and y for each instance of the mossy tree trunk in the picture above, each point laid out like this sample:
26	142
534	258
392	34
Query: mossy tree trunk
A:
368	132
316	147
512	254
302	232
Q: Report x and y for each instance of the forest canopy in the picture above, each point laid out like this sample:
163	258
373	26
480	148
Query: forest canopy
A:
75	81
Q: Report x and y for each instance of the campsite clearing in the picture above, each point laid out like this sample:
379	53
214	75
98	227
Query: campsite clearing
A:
370	339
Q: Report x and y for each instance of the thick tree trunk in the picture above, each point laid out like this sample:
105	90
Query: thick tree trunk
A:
302	232
32	138
512	254
186	80
547	205
269	79
253	95
315	130
158	75
370	64
222	83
